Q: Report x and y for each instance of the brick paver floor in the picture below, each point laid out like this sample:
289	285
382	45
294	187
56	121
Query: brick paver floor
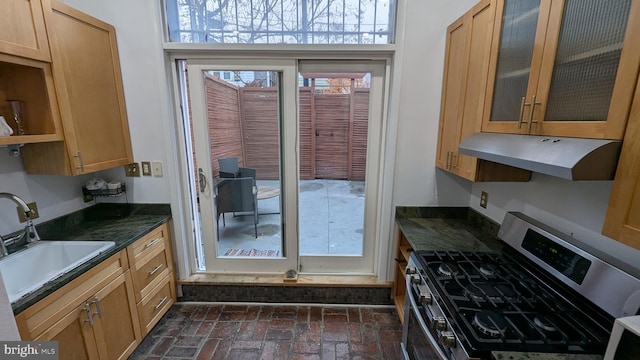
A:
224	331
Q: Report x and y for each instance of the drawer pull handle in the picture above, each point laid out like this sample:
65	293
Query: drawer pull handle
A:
161	302
155	269
152	243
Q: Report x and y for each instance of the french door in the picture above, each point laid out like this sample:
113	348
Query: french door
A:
258	216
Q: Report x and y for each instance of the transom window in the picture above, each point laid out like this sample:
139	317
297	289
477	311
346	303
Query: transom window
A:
281	21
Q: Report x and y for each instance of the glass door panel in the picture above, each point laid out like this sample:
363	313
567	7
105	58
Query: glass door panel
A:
340	107
235	122
515	54
588	52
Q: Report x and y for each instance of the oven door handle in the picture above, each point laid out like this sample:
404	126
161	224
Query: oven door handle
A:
423	325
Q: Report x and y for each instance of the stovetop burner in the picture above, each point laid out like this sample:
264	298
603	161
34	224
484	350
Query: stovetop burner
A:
448	269
488	269
544	323
490	323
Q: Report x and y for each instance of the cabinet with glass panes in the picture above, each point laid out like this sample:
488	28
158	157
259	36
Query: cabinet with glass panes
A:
564	68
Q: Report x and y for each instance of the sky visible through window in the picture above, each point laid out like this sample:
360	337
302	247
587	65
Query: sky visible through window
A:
281	21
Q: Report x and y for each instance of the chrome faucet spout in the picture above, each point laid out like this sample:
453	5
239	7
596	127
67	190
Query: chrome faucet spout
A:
30	232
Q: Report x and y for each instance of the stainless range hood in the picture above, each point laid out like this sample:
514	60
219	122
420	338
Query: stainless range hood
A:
567	158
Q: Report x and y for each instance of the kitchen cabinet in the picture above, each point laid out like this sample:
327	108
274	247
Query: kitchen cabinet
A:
399	291
22	30
622	221
151	262
564	68
30	83
88	84
465	78
92	317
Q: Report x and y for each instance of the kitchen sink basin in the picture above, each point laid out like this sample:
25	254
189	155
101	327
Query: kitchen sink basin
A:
29	269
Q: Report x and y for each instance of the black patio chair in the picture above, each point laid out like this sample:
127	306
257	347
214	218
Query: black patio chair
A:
237	195
229	169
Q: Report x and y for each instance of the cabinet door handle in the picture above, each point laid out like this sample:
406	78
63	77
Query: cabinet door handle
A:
152	243
446	166
97	302
452	164
87	308
155	269
80	161
521	119
533	108
161	302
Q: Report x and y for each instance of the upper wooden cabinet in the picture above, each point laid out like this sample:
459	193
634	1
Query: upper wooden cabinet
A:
88	84
27	91
22	29
465	79
622	221
562	67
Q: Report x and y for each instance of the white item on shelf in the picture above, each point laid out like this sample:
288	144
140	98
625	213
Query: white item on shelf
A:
113	185
5	129
95	184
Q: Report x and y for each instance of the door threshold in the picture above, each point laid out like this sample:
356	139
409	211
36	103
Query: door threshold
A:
279	280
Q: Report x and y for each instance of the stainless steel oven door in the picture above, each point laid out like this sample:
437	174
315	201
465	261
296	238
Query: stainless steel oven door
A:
417	341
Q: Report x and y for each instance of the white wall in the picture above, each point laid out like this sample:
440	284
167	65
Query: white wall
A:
576	208
417	182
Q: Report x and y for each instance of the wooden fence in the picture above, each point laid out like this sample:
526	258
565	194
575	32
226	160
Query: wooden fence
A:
243	122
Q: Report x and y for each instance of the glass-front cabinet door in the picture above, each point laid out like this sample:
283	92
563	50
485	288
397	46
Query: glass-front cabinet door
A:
564	68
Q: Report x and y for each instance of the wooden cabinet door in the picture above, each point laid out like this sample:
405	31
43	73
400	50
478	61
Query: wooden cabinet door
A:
88	80
453	86
564	68
22	29
74	335
116	325
622	221
518	41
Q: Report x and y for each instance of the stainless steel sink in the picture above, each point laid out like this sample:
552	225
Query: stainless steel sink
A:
29	269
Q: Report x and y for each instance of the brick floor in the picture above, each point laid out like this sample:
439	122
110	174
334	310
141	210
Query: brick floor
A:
197	331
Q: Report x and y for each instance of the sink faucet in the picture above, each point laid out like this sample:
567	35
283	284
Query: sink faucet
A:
30	232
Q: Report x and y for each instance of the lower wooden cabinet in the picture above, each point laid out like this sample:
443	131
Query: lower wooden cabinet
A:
403	250
154	283
106	312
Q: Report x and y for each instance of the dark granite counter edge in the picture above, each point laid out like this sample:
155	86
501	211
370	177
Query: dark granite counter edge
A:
161	214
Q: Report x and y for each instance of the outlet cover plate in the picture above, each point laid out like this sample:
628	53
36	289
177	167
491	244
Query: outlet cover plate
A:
34	212
132	169
484	197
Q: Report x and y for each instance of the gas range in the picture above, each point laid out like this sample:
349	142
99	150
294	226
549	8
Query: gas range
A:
541	294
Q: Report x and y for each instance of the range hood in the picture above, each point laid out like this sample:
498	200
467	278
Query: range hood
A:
567	158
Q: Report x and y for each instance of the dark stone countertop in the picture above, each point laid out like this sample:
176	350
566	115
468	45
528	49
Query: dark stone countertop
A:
121	223
462	229
447	228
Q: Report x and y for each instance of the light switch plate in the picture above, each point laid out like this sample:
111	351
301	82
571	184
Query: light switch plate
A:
146	168
132	170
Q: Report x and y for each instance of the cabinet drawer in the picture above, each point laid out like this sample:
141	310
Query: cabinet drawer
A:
154	305
148	244
148	273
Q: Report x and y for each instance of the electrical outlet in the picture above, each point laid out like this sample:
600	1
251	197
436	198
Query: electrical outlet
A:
34	212
484	197
146	168
132	170
156	167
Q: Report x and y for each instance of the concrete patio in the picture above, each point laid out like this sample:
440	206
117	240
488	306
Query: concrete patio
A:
331	220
